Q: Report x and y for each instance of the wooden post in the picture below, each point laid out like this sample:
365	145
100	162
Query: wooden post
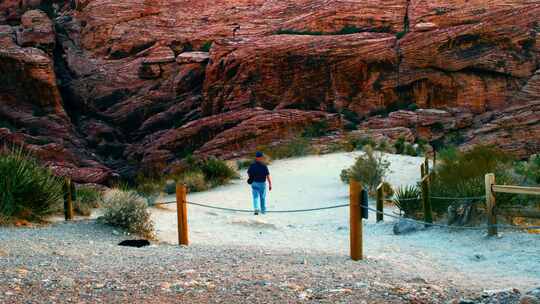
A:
355	220
422	170
380	202
426	200
426	165
68	199
490	204
181	211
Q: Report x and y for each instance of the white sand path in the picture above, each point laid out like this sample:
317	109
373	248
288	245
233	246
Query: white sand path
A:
466	258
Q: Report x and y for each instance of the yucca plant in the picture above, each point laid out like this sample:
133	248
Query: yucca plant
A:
27	190
408	200
87	199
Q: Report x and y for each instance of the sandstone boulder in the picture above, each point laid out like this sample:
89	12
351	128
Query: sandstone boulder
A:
36	30
193	57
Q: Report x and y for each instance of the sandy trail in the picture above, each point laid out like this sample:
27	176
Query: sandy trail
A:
463	258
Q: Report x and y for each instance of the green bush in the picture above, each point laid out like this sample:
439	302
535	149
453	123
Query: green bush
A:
462	174
316	129
198	174
384	146
358	142
399	145
127	210
88	198
369	169
27	190
243	163
408	200
216	171
206	46
298	146
530	170
195	181
410	150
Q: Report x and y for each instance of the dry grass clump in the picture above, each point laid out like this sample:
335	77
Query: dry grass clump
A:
129	211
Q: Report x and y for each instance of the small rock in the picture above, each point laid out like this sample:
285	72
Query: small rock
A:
67	282
360	285
192	57
425	26
99	285
165	285
405	226
478	257
114	232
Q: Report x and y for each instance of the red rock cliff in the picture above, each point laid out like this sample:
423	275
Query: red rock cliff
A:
112	86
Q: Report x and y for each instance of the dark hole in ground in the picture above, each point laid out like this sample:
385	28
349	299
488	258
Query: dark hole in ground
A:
134	243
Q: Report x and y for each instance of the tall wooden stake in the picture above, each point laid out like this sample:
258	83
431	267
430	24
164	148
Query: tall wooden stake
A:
380	202
428	214
68	199
181	211
490	205
355	220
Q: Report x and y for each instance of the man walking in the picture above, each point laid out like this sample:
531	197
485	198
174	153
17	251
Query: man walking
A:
257	175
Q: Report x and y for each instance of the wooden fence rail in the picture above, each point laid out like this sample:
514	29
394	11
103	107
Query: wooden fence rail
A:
492	188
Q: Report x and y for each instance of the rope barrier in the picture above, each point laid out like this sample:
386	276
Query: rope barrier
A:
269	211
452	227
459	198
443	198
370	209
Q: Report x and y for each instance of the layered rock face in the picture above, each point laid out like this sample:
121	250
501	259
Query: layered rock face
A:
115	86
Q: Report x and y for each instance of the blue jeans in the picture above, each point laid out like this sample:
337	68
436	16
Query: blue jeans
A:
259	193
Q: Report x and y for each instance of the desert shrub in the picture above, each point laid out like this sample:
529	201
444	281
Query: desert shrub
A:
298	146
243	163
206	46
384	146
358	142
27	190
346	30
369	169
127	210
316	129
296	32
216	171
530	170
408	200
399	145
410	150
6	124
87	199
461	174
170	186
145	186
197	173
195	181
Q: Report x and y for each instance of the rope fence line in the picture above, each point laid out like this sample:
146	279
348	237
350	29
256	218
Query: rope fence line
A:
466	198
391	215
251	210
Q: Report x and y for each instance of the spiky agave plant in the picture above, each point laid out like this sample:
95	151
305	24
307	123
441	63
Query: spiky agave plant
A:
27	190
408	200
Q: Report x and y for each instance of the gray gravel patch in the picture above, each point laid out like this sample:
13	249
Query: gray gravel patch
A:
80	262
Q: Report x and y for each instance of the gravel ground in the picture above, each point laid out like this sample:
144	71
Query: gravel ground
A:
80	262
